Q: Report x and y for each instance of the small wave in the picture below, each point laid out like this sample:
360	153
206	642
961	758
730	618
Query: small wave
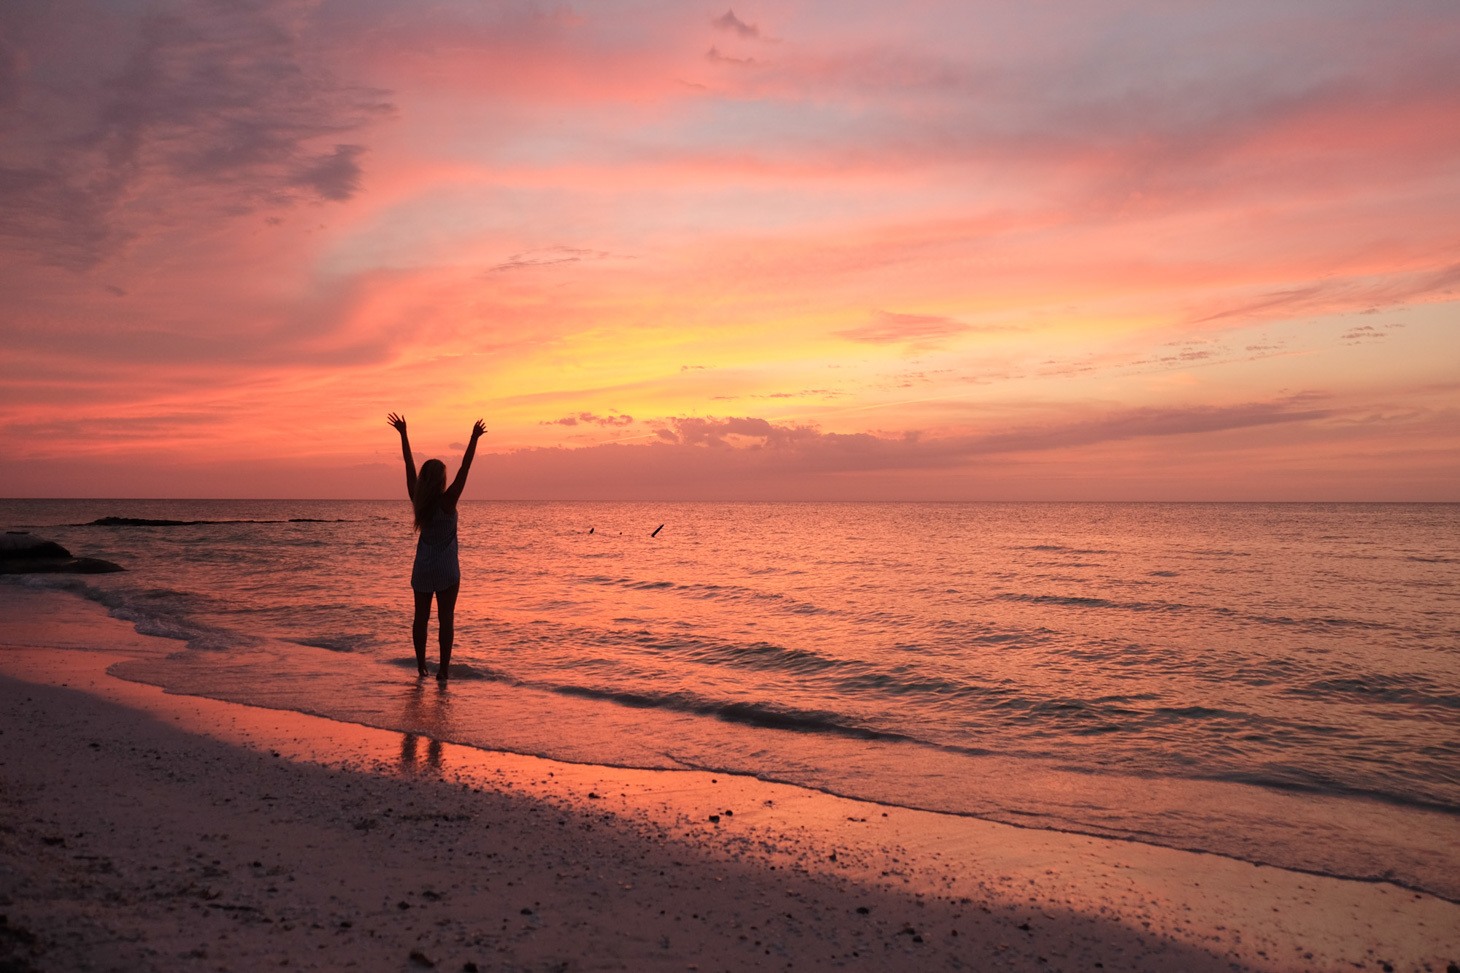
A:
759	655
855	677
160	612
1301	780
1414	690
1165	713
1074	601
765	715
1320	623
557	605
707	591
1062	549
337	643
465	670
1085	601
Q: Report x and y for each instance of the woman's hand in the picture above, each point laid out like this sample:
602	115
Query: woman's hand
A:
399	422
453	492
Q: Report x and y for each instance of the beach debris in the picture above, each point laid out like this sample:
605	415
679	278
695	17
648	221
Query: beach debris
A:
154	522
23	553
657	530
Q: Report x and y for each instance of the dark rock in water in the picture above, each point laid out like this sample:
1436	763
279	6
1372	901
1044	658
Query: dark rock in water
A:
21	546
139	522
58	565
154	522
22	553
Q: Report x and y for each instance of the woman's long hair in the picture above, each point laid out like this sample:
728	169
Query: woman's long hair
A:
430	488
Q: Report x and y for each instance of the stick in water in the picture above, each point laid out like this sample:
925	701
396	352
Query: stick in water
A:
657	530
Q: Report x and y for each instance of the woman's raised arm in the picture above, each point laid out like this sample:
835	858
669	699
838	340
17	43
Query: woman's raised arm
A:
453	492
399	422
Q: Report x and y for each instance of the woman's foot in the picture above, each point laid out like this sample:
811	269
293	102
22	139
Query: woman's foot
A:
441	674
422	672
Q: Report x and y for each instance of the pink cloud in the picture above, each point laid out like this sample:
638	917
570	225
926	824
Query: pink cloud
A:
806	447
1350	294
749	457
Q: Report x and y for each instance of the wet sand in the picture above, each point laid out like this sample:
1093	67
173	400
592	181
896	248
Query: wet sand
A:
143	831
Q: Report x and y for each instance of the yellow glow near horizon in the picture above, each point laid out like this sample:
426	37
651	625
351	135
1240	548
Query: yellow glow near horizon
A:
884	263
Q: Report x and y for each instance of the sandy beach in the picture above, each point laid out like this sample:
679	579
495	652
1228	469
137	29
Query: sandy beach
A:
145	831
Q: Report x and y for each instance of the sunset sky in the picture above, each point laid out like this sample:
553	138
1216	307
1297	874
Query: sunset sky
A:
945	250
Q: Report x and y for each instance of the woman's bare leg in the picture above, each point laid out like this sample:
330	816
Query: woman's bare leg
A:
446	624
418	629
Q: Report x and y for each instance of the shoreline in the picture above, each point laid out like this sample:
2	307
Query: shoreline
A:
617	863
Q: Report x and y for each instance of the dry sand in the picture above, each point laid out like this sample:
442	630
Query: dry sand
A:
142	831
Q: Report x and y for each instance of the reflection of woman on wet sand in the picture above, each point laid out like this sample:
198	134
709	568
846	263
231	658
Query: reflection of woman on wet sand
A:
436	571
427	717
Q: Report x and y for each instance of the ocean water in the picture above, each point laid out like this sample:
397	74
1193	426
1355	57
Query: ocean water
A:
1275	683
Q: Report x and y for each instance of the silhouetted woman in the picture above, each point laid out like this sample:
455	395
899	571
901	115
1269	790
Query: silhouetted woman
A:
436	571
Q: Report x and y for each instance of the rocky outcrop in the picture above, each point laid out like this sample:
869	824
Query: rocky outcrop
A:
24	553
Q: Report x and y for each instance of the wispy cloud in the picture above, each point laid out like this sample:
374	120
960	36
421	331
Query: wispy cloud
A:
1367	333
715	56
211	111
547	257
887	327
733	24
590	419
1152	422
